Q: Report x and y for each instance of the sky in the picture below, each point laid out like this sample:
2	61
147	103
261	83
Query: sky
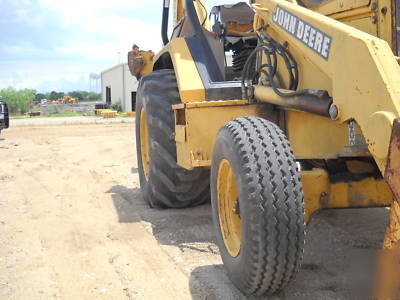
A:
55	44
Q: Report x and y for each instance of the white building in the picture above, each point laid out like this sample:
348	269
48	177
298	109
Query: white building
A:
119	86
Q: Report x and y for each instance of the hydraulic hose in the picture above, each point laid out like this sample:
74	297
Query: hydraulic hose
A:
164	23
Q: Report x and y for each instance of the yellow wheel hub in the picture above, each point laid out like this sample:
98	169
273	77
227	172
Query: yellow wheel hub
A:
228	208
144	143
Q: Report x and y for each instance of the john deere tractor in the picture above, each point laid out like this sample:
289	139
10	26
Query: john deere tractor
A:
273	109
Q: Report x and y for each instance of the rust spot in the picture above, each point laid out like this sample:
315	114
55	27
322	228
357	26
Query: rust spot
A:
387	276
394	26
388	271
392	237
324	199
392	173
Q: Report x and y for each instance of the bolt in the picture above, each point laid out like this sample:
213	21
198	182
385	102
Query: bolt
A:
374	20
333	111
236	208
374	6
384	10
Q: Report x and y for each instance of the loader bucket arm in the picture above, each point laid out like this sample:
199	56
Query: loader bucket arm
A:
364	85
364	73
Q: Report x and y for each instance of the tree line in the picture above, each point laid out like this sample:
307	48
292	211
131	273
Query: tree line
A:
23	100
80	95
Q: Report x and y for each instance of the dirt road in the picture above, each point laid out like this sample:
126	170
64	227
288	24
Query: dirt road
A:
73	225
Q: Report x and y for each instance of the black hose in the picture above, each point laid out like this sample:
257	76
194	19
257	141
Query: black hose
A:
271	49
164	23
309	100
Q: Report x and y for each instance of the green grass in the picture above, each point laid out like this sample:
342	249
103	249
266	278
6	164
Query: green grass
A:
61	115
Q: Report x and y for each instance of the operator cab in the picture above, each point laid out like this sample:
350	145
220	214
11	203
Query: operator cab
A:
231	36
234	25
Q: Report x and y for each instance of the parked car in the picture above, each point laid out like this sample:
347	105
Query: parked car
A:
4	116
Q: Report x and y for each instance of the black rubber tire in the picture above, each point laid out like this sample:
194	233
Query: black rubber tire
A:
271	205
168	185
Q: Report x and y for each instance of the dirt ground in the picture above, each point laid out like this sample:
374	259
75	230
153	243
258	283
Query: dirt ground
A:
73	225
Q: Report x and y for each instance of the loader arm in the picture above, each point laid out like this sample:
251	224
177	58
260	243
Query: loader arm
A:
364	73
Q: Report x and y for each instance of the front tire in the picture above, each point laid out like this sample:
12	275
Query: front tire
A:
163	183
258	206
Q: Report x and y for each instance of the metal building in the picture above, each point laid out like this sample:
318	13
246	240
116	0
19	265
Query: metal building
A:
119	86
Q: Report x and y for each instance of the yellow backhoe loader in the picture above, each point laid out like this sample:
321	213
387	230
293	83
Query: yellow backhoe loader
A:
274	109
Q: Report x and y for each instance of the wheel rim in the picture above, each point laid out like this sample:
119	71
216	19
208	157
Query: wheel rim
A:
144	143
228	208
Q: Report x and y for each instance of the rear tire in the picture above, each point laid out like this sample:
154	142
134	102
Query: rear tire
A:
262	246
166	184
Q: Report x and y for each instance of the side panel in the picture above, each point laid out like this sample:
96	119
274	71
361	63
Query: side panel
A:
197	125
332	7
363	24
312	136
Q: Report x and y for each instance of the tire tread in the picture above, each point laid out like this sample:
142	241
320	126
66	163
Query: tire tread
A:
169	185
275	250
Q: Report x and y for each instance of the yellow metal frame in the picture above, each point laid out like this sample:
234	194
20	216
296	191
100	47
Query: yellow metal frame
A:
195	143
320	193
311	136
191	88
197	125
